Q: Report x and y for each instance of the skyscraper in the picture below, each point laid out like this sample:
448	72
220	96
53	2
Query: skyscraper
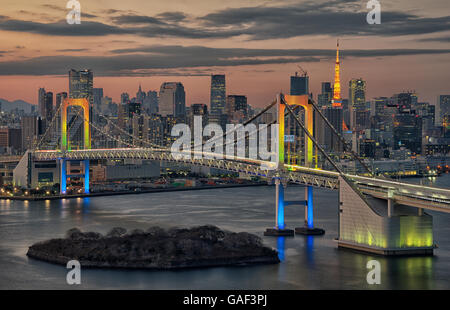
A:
172	99
324	98
357	100
140	95
299	85
97	94
236	103
337	100
408	132
357	94
48	115
442	109
81	84
218	94
31	129
59	99
151	102
124	98
41	102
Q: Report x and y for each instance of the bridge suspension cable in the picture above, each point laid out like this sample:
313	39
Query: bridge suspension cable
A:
127	133
47	130
335	132
311	137
234	129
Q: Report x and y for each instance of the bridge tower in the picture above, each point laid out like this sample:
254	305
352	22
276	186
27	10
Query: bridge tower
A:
280	203
65	146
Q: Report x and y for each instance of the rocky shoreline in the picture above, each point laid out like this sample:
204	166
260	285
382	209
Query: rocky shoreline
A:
156	248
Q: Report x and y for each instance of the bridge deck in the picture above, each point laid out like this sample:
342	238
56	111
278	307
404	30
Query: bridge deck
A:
409	194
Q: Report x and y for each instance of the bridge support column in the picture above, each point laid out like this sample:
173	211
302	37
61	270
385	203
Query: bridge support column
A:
86	176
390	207
63	177
309	228
279	229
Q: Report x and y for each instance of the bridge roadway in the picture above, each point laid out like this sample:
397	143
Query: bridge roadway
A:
432	198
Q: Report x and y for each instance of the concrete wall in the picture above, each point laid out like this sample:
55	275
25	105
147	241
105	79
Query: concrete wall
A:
366	222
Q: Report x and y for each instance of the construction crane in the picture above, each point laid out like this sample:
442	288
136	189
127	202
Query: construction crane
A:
303	71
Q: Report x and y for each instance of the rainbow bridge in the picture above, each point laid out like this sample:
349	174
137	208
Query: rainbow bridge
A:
376	214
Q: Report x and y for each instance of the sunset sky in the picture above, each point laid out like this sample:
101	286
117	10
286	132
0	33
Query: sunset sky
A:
256	43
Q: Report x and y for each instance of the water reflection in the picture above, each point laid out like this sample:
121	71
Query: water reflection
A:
406	273
309	248
305	263
281	247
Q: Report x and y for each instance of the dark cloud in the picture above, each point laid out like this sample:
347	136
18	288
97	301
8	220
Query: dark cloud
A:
289	21
136	19
439	39
231	53
163	58
54	7
65	10
73	50
91	28
334	18
61	28
172	16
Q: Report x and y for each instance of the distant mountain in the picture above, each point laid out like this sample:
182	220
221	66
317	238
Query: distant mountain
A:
8	106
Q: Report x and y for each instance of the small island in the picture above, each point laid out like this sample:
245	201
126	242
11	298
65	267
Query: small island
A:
156	248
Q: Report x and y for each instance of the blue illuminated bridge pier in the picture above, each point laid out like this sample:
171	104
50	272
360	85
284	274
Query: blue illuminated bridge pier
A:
376	214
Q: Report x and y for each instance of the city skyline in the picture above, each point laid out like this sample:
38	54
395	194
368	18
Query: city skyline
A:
122	45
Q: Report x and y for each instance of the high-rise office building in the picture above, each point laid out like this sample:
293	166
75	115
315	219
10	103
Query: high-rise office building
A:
218	94
11	138
81	84
324	133
357	94
379	106
151	102
124	98
236	103
442	109
367	148
140	95
408	132
97	94
324	98
59	99
172	99
357	100
299	85
31	129
45	106
48	108
41	102
404	102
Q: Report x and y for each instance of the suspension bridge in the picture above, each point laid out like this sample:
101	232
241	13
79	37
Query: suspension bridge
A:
376	214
